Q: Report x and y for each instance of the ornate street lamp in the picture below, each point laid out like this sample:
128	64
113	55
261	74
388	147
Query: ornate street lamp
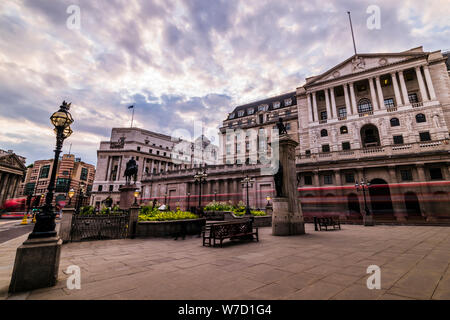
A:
80	196
71	193
45	220
268	201
136	196
215	195
188	200
362	186
247	181
200	179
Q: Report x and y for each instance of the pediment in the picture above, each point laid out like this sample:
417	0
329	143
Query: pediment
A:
12	161
362	62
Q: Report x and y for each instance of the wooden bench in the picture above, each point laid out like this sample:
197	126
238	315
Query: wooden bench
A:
239	230
325	222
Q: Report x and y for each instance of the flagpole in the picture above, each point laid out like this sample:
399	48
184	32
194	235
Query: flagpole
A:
351	27
132	117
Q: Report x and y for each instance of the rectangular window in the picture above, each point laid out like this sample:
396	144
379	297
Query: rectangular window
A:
323	115
288	126
308	180
287	102
276	104
308	152
349	178
44	172
326	148
138	148
62	185
231	116
84	173
385	81
250	111
435	174
100	188
29	188
346	146
240	113
328	179
398	139
389	103
342	112
228	149
413	98
406	175
111	188
425	136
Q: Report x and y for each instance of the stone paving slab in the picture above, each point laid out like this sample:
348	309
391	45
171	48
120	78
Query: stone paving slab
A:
414	262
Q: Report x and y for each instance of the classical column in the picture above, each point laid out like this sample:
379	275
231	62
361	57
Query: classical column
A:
373	94
353	98
403	87
398	98
225	190
423	91
327	104
380	92
316	116
310	112
333	103
426	71
348	106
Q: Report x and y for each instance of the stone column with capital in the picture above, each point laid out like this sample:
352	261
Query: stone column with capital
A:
430	86
327	104
310	111
398	98
396	198
314	99
373	94
287	217
348	106
403	87
380	92
353	98
333	103
423	91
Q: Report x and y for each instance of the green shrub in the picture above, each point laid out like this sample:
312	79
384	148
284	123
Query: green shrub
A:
255	213
218	206
87	210
166	216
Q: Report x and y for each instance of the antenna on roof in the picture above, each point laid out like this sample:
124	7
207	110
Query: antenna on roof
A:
353	35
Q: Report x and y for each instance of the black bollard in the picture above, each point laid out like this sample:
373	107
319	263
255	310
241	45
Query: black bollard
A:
315	224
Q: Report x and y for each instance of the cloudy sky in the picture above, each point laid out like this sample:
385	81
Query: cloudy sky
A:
178	61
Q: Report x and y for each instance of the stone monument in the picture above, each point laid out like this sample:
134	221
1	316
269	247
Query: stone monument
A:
127	191
287	216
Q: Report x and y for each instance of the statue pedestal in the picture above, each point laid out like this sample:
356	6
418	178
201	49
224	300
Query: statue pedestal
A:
36	265
287	217
127	196
368	221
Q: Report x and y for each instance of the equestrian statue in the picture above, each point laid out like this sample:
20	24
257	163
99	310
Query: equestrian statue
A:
131	171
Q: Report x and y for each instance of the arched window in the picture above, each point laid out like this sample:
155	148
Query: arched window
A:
344	130
420	118
395	122
323	133
364	105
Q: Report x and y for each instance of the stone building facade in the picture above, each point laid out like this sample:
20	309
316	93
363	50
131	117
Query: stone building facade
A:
71	174
383	119
378	118
12	171
154	153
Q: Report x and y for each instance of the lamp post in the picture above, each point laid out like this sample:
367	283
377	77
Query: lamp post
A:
188	200
215	195
200	179
80	196
362	186
136	195
268	201
45	220
71	193
247	180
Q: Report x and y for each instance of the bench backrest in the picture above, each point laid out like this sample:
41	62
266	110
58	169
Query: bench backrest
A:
230	229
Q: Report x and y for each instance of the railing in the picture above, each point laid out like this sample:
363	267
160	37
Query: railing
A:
342	118
365	114
323	121
417	104
390	150
391	109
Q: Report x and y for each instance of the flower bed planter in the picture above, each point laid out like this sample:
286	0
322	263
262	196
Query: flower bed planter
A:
169	228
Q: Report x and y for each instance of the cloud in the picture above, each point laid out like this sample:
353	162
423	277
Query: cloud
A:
178	61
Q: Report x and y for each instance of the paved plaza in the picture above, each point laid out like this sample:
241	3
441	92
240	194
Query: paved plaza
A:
414	264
